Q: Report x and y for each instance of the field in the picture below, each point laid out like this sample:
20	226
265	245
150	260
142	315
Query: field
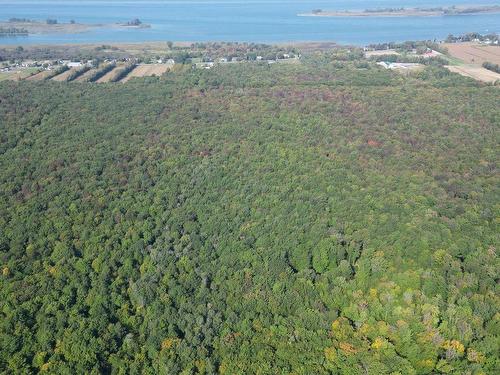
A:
84	76
476	72
39	76
384	52
17	75
474	53
147	70
109	75
63	77
469	57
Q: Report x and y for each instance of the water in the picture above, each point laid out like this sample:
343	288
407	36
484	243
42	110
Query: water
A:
237	20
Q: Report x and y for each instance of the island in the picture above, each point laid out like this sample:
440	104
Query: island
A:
406	12
24	26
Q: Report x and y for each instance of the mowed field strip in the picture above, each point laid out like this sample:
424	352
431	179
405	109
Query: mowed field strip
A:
63	77
476	72
147	71
474	53
85	75
107	77
39	76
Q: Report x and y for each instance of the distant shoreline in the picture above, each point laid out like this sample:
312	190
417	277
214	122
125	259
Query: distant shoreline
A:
39	27
406	12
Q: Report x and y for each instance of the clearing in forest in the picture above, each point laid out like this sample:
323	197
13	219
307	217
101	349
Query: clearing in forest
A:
147	70
474	53
476	72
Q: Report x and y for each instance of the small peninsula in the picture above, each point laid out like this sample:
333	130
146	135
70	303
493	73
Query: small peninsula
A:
406	12
24	26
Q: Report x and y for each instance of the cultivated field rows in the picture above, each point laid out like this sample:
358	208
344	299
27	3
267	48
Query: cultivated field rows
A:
143	70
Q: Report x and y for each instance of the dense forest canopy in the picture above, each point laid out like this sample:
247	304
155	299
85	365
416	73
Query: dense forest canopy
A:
318	218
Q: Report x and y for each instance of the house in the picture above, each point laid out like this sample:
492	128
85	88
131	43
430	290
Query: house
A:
205	65
405	67
74	64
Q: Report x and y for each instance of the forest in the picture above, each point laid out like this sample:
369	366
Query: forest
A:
327	217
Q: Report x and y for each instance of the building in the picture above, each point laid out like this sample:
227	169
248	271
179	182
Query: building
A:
383	64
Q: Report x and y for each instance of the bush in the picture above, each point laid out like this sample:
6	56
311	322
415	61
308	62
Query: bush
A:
493	67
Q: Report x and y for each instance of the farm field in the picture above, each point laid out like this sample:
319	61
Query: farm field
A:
84	76
109	75
474	53
476	72
17	75
147	71
39	76
63	77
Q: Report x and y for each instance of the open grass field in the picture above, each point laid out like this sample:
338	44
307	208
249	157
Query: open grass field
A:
476	72
147	71
474	53
369	54
17	75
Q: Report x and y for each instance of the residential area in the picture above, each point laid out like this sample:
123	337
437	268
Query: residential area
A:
120	64
471	55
